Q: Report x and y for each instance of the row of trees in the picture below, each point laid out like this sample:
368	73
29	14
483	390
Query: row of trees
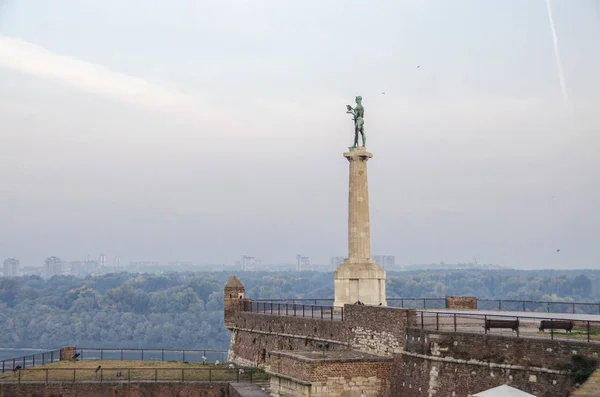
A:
185	310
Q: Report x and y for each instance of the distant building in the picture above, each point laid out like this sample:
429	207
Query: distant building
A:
32	271
143	265
92	267
336	261
180	265
102	261
385	260
52	267
77	268
11	267
303	263
249	263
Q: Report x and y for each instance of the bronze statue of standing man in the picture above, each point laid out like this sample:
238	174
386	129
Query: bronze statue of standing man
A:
359	123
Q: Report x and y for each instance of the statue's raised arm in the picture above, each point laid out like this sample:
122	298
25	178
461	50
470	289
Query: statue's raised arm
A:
350	110
359	124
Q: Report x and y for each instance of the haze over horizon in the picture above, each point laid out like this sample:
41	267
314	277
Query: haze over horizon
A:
206	130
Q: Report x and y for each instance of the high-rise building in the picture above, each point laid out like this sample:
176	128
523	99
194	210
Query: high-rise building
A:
336	261
385	260
102	261
77	268
11	267
249	263
52	267
303	263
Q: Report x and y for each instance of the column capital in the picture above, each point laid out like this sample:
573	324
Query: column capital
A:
358	153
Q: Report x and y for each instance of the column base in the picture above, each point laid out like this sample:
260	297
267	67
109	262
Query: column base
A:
359	280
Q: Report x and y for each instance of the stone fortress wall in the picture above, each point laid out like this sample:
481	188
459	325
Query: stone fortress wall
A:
421	362
461	364
368	329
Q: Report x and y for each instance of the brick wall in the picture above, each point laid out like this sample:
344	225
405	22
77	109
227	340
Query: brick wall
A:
460	364
257	334
67	353
418	377
114	389
334	364
531	352
231	306
461	302
369	329
377	330
342	373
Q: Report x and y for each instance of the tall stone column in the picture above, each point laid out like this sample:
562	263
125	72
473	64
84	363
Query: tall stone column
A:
359	229
359	278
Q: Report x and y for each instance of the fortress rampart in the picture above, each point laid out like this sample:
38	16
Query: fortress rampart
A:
384	351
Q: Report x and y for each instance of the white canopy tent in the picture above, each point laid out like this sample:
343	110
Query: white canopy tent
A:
503	391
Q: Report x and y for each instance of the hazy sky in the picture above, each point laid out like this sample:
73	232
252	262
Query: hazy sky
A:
205	130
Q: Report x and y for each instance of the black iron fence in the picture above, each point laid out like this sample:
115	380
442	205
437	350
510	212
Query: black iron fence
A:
294	309
538	306
417	303
134	374
482	304
539	326
168	355
30	360
302	301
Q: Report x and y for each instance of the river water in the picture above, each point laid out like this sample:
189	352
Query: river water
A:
6	353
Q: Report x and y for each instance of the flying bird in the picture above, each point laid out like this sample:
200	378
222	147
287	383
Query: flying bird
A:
98	368
558	250
418	66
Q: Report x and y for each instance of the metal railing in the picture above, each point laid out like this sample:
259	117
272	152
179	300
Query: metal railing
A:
294	310
409	303
30	360
482	304
417	303
538	306
301	301
172	355
515	325
133	374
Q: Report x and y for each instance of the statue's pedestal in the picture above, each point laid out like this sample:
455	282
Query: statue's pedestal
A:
359	280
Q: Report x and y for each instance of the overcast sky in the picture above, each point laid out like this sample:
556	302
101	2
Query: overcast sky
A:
206	130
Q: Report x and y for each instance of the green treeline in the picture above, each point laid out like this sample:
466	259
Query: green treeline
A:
185	310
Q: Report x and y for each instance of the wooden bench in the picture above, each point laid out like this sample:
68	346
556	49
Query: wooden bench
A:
511	324
567	325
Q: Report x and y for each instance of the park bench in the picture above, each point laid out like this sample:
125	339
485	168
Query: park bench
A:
511	324
567	325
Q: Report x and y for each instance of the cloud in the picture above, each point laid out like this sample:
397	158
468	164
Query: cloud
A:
29	58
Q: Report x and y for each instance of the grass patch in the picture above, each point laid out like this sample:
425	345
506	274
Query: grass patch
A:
580	333
79	371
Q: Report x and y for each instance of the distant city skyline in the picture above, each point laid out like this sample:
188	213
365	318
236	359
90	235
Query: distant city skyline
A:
55	265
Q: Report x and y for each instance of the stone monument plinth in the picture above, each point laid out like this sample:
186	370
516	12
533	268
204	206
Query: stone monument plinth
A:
359	278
